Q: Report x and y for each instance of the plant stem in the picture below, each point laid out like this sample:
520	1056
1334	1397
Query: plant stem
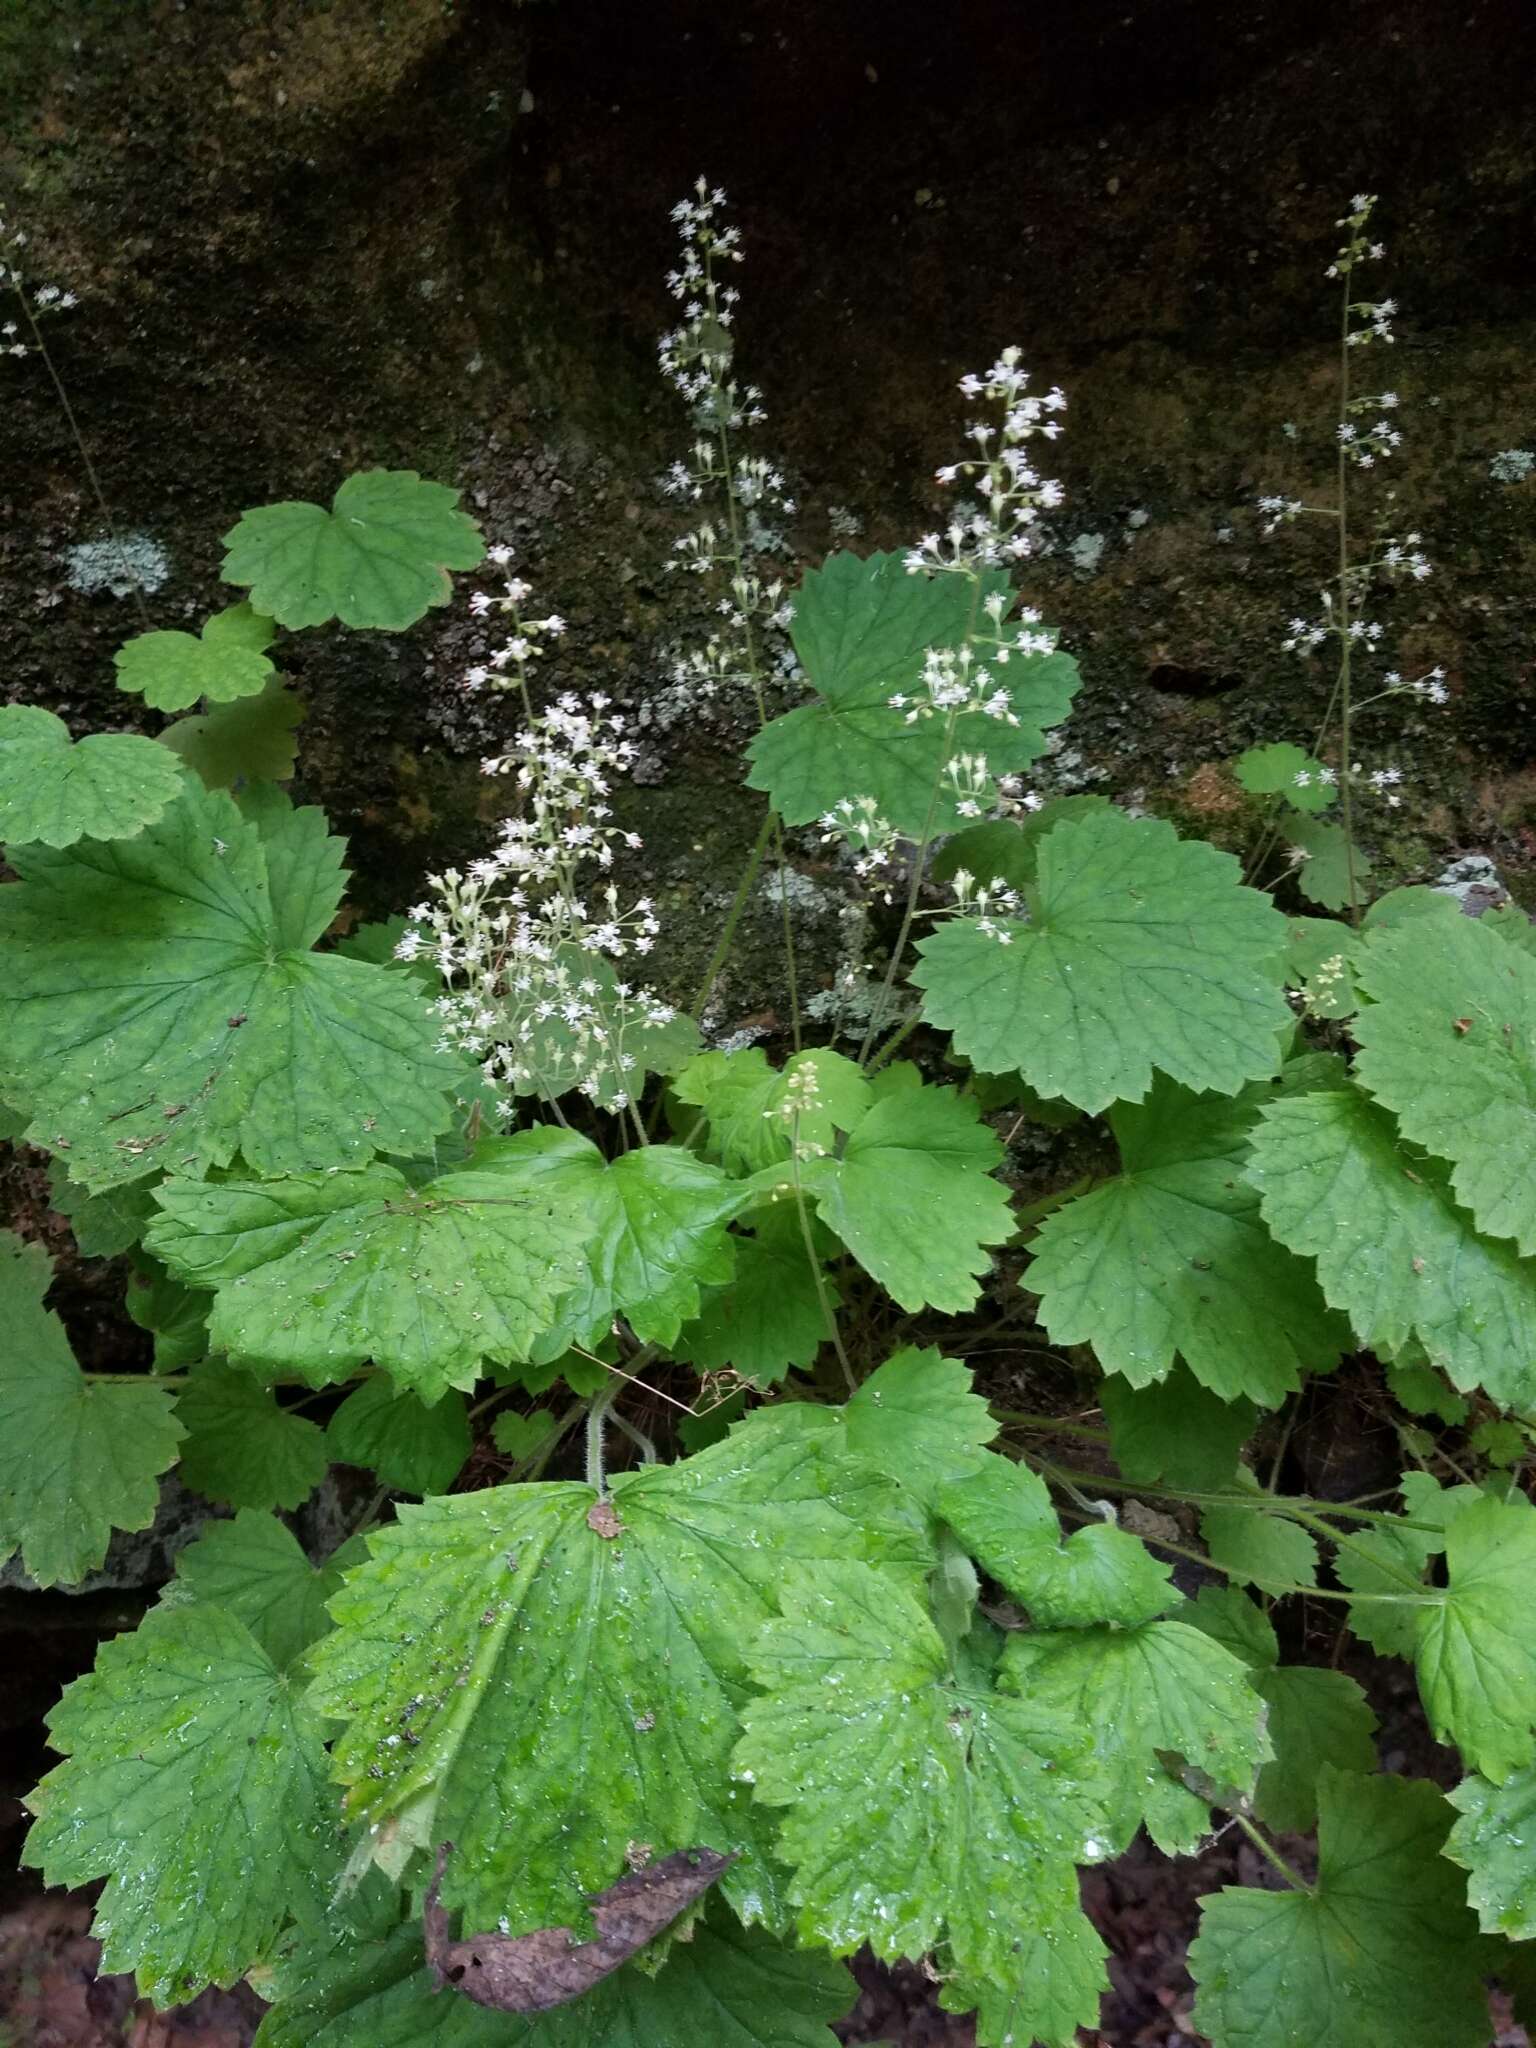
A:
727	936
1346	739
113	535
1272	1855
828	1313
597	1410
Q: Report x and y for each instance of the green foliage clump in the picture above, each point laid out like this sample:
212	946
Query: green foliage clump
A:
455	1202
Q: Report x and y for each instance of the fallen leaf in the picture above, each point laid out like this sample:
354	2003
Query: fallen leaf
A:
534	1972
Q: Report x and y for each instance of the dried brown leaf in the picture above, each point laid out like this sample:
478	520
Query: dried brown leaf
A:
533	1972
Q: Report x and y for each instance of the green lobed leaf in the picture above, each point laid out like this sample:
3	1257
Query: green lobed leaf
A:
725	1986
250	739
1230	1618
1446	1045
412	1448
919	1809
1495	1840
161	1006
1323	868
768	1319
241	1447
656	1237
172	670
1008	849
102	1225
321	1273
194	1781
78	1458
861	630
1393	1250
1381	1953
743	1100
1002	1513
1171	1259
1058	1980
55	790
1175	1430
913	1198
1320	960
1316	1718
175	1316
545	1679
1285	770
377	559
917	1419
1142	951
1264	1549
1476	1644
1163	1689
252	1567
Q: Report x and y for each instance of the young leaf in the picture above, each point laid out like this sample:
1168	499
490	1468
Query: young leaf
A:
254	1569
1320	960
742	1098
78	1458
251	739
172	670
413	1448
1392	1248
55	790
1381	1953
1266	1550
241	1447
1315	1718
769	1317
209	1844
321	1273
1172	1258
102	1225
917	1419
913	1198
175	1317
1141	951
1445	1044
725	1987
1003	1515
602	1648
861	630
1175	1431
918	1808
1322	873
1162	1689
1230	1618
1494	1840
378	558
1284	770
160	1006
1476	1645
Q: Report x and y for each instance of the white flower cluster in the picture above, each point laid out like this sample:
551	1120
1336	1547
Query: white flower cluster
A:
1430	687
801	1099
855	822
1365	445
1374	316
745	491
41	299
1012	494
508	666
525	939
985	903
1280	511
